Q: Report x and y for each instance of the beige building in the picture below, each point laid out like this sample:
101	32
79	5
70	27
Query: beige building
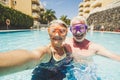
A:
90	6
29	7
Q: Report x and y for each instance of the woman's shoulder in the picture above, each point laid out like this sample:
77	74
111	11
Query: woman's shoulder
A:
44	49
41	51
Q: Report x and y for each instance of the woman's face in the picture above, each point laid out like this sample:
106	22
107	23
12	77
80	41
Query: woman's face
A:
57	34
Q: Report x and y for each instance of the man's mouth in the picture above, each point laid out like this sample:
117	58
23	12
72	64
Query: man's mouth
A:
79	36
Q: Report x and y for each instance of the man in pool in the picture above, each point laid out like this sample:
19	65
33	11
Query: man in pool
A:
50	60
83	50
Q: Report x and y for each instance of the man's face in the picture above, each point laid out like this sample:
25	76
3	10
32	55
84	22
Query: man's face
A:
57	34
78	30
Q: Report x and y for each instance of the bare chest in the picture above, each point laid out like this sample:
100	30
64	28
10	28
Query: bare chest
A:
83	52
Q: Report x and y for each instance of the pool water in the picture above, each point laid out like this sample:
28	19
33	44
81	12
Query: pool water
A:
107	69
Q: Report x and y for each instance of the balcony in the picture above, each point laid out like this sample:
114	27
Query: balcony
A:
35	8
86	10
81	4
81	10
35	2
96	4
35	16
3	2
86	0
87	4
80	14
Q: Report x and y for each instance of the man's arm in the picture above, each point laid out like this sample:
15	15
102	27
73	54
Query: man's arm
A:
104	52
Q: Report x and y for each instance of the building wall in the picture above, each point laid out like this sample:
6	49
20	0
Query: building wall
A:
90	6
23	6
29	7
106	2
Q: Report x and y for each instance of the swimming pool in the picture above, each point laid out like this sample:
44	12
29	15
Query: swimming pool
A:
107	68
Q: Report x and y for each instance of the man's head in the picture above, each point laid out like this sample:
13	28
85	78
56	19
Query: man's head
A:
78	28
57	31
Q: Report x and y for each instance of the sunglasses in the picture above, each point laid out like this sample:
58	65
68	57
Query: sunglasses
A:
81	28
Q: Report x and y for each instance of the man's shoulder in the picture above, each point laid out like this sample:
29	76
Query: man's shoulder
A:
95	45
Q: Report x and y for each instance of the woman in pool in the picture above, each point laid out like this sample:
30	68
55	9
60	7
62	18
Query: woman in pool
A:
51	59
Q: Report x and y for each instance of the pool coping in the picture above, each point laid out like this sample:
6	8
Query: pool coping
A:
14	30
20	30
107	32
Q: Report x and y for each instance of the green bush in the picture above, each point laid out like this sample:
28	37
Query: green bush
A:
18	20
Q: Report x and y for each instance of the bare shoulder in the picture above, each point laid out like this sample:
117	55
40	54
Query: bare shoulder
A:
94	45
43	49
41	54
97	47
40	51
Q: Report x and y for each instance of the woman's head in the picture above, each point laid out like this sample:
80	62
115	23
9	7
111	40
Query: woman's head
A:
78	28
57	31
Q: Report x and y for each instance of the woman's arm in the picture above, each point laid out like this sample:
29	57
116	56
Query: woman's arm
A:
15	58
18	60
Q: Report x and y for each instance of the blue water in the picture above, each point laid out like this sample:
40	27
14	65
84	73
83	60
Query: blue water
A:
107	69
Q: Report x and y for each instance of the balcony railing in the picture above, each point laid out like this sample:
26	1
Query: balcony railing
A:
35	16
81	14
35	8
36	2
87	4
96	4
86	10
81	4
81	9
86	0
3	2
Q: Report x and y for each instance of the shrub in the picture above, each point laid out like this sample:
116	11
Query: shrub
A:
18	20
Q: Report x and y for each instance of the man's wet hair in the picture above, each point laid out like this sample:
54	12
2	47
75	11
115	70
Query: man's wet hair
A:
79	18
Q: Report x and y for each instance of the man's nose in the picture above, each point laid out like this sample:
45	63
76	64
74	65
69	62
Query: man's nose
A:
78	32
